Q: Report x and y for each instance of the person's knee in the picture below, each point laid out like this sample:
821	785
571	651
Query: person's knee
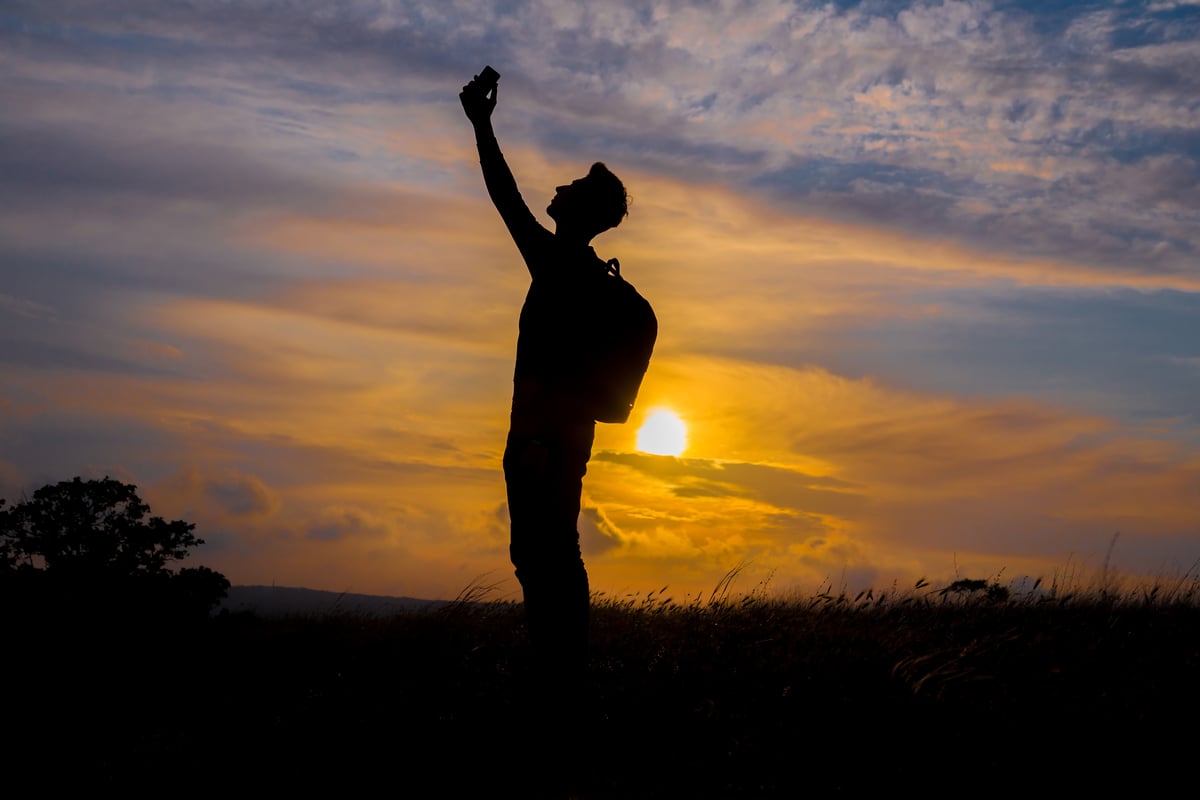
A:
545	564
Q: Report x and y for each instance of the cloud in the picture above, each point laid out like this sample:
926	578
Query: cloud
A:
20	307
959	119
44	355
53	167
887	474
597	534
242	495
707	478
925	276
339	523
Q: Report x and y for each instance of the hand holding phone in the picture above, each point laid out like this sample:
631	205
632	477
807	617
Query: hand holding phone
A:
479	96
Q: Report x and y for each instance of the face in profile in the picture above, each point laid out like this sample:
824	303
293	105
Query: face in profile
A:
568	201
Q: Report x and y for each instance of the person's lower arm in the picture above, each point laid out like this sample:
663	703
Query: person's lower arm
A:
500	182
485	141
483	130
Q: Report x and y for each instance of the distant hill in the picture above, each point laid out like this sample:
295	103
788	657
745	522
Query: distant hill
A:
282	601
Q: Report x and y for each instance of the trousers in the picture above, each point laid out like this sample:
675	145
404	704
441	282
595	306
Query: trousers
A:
543	476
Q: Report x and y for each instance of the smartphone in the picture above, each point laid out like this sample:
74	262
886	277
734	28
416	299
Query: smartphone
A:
488	78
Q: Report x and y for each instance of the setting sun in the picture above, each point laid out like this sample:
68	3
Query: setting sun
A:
662	434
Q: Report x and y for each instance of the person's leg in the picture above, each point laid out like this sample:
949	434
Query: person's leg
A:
544	478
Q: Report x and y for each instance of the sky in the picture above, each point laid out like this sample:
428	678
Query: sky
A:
926	275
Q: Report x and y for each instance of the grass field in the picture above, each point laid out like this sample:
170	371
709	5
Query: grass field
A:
963	693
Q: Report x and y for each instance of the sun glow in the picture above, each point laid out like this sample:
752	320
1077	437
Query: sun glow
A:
663	434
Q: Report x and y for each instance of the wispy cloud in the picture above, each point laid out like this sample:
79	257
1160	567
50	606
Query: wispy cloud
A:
926	275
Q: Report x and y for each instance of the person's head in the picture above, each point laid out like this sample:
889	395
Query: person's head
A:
591	204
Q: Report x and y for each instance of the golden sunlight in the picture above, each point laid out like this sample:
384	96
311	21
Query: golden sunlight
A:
662	434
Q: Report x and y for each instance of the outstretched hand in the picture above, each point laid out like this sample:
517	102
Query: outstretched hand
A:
478	101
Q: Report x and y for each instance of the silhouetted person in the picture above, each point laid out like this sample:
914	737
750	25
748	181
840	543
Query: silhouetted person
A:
553	420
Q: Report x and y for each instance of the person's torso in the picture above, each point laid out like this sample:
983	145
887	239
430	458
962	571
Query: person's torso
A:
558	324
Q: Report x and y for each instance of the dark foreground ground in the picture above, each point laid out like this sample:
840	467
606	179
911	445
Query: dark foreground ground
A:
924	694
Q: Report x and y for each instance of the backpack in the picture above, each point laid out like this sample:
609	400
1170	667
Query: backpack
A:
626	340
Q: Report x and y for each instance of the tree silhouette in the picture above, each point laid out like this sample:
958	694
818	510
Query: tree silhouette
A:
95	542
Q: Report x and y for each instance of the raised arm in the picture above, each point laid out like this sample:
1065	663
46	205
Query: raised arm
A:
478	103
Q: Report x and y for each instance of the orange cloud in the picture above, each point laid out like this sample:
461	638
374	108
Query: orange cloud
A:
343	427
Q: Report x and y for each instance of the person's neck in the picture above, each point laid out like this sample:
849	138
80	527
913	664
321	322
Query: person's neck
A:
573	238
